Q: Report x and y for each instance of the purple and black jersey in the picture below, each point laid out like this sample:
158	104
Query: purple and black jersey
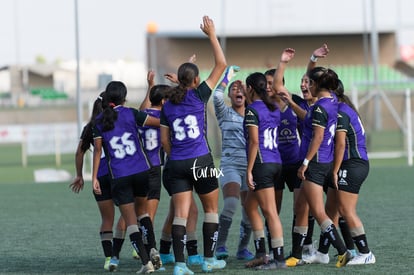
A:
257	114
322	114
123	148
287	137
151	139
188	124
349	121
103	165
303	104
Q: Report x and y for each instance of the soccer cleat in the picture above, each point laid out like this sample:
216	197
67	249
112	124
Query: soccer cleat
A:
244	254
106	265
308	249
182	269
167	258
258	261
212	263
196	259
363	258
146	269
343	259
271	265
113	264
292	261
155	258
135	254
316	258
222	253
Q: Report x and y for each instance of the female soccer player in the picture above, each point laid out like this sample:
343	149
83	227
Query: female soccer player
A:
111	243
116	132
190	164
264	165
233	163
351	168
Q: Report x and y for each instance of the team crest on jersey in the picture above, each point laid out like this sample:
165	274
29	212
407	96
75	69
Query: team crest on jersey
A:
318	110
249	113
285	122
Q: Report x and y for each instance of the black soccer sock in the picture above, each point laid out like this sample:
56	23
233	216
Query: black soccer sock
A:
106	241
147	232
178	242
210	233
311	225
138	245
346	234
297	244
332	234
361	243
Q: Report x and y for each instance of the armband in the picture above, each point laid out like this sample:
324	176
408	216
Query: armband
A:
313	58
305	162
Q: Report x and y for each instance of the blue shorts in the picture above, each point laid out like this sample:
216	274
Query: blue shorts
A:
233	174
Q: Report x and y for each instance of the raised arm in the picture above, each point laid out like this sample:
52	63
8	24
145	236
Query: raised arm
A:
145	104
320	52
218	97
219	59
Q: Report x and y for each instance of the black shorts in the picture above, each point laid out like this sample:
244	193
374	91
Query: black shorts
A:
154	183
184	175
266	175
319	173
289	176
125	189
352	174
105	184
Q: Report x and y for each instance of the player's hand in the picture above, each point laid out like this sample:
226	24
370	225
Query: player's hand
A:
77	184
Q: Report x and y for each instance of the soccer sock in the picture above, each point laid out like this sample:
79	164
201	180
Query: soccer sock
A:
179	238
226	219
330	232
106	241
268	237
298	237
311	224
245	233
360	239
324	243
147	231
259	243
136	241
277	248
346	234
191	244
223	231
210	232
165	243
118	241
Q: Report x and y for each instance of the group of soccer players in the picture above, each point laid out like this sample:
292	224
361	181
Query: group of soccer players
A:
314	144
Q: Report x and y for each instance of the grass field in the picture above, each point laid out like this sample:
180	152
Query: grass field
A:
46	229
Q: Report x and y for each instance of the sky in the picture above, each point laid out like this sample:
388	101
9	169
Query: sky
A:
108	29
116	29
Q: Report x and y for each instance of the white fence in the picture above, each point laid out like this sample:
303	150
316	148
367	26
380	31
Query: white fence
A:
42	139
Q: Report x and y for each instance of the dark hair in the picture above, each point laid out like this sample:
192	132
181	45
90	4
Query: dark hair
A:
324	78
271	72
186	74
115	94
87	135
258	83
342	97
158	93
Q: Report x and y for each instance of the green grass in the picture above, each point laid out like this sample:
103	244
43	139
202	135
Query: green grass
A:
46	229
